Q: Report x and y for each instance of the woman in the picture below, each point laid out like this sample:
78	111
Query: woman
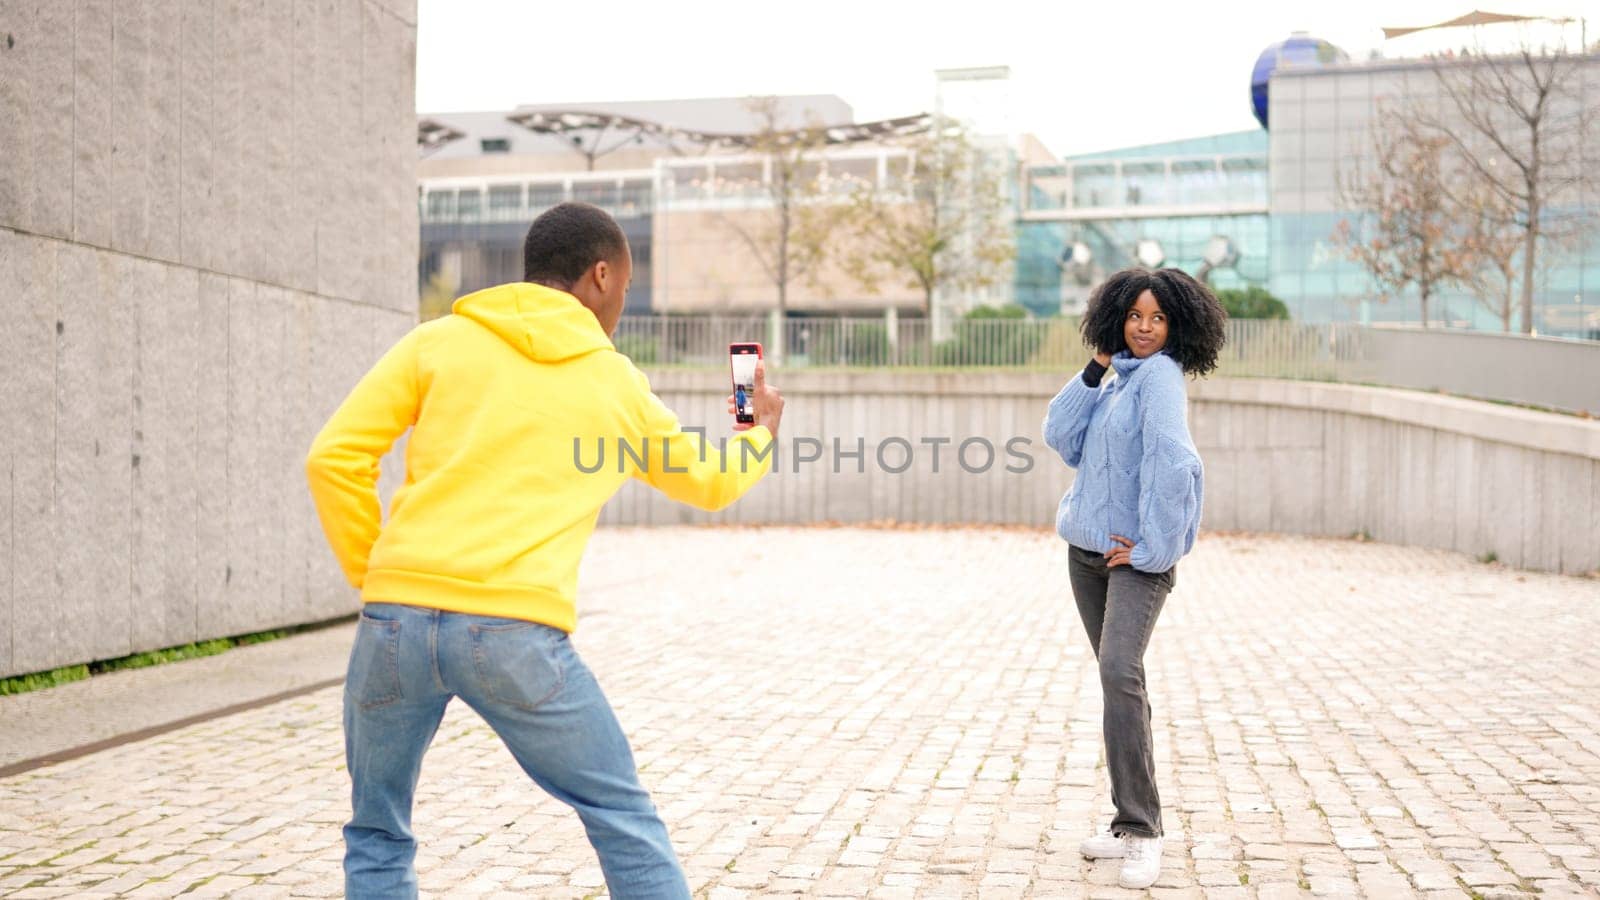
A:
1132	511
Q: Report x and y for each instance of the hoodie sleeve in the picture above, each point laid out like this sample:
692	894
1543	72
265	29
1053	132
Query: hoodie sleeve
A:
342	467
688	468
1170	481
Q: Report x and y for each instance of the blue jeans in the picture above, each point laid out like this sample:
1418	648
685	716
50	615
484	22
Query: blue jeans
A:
528	683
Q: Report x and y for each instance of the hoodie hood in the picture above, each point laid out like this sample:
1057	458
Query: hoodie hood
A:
544	324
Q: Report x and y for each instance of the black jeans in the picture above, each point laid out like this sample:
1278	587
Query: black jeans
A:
1119	608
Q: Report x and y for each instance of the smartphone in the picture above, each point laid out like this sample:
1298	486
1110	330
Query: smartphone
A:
742	362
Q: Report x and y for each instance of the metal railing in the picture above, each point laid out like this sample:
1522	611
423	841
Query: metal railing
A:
1551	373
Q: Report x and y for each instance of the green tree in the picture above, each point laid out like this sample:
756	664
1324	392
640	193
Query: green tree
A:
1253	302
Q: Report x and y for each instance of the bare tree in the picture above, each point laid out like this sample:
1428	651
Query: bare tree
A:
1492	243
1407	235
1517	124
942	223
787	235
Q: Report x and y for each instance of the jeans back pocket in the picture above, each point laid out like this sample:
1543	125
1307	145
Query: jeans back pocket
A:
373	679
516	663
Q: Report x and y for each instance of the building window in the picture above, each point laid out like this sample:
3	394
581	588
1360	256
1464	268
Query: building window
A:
505	198
495	145
635	199
441	205
544	196
846	176
600	193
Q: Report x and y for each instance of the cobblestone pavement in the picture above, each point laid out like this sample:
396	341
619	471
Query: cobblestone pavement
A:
888	713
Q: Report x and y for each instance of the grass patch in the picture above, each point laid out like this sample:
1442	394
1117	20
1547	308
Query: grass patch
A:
38	681
1490	557
157	657
261	637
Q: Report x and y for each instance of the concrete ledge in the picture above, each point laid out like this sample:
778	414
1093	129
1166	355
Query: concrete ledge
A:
1488	421
879	381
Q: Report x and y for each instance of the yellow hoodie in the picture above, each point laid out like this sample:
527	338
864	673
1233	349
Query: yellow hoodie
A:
495	512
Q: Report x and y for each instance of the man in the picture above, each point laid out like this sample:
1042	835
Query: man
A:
469	588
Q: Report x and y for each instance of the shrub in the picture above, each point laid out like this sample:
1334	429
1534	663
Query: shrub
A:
991	336
850	343
641	348
1252	302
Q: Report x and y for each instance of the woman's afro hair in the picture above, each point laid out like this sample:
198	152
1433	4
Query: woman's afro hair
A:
1196	321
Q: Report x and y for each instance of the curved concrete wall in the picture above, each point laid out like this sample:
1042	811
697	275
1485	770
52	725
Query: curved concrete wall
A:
1309	458
1403	467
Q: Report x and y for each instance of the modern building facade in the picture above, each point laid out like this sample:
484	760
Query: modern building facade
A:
1321	126
1176	203
688	195
1248	208
1261	207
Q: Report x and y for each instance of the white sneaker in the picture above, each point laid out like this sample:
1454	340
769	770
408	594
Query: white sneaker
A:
1104	845
1141	862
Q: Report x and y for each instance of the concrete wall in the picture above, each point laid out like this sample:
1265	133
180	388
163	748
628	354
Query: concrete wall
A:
1550	373
1281	456
207	233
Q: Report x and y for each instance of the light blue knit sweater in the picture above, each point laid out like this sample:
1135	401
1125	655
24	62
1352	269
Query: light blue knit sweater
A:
1139	475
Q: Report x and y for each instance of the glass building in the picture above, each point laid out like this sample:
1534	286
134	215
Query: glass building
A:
1321	120
1257	207
1266	204
1198	204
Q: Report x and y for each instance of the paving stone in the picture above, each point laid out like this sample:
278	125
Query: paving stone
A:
1487	877
830	735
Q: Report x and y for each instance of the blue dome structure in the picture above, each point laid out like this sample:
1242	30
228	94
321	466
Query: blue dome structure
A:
1298	50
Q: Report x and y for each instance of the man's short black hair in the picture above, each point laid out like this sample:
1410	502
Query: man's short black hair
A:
1196	321
567	240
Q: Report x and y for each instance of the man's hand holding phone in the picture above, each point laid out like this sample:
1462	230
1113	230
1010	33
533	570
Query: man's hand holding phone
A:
765	402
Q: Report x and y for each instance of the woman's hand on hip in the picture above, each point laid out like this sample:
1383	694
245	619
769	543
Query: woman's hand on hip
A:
1119	555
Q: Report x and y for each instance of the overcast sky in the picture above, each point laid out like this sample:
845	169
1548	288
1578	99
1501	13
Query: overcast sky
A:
1085	76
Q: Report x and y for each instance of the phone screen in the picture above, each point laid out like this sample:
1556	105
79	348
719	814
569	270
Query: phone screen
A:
742	359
